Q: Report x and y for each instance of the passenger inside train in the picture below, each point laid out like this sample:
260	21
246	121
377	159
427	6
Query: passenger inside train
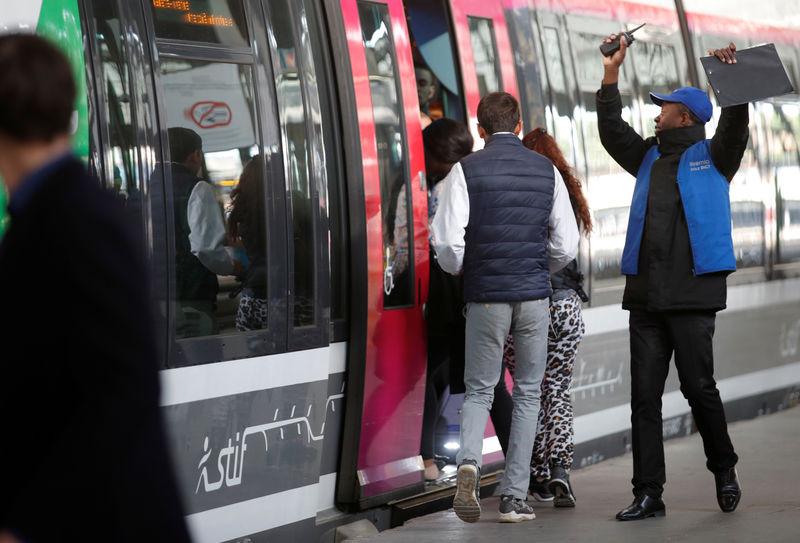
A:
200	237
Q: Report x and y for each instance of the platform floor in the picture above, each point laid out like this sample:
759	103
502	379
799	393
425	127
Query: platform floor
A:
769	471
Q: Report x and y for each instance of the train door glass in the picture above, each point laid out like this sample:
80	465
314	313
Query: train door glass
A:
304	152
210	141
484	53
119	158
438	81
392	160
320	59
610	187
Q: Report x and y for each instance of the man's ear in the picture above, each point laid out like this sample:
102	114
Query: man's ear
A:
482	133
686	119
518	128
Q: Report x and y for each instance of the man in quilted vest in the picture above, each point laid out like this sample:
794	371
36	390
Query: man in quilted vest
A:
505	221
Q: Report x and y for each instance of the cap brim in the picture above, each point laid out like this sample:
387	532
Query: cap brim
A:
658	99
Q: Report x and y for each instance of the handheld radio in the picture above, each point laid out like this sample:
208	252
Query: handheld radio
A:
609	49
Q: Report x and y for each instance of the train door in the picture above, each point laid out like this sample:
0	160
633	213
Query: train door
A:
485	55
380	455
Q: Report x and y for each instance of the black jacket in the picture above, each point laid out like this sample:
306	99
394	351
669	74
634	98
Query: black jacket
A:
84	452
666	279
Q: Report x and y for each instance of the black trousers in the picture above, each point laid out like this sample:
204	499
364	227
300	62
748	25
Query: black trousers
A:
654	337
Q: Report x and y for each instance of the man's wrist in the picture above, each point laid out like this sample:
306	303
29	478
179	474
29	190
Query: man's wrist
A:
610	75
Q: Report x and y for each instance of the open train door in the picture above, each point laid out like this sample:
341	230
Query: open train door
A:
386	373
484	49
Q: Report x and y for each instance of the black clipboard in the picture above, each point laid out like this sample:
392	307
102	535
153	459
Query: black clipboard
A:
757	74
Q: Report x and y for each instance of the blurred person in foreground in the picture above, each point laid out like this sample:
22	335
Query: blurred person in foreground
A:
677	256
84	445
554	443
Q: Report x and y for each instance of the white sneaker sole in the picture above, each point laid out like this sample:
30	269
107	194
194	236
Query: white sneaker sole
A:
516	517
465	503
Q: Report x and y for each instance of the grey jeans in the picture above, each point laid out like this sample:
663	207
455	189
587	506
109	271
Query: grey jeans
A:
488	324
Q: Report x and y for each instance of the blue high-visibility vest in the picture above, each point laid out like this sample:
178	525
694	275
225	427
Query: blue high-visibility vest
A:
705	194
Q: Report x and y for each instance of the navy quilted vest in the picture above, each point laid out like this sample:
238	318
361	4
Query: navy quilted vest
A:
510	197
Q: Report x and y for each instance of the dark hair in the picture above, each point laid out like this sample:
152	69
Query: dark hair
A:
540	141
247	219
498	112
694	118
447	140
37	89
182	143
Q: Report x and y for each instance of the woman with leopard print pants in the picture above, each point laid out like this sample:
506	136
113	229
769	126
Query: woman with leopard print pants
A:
553	446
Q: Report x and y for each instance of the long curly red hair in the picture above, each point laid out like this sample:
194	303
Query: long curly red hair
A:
543	143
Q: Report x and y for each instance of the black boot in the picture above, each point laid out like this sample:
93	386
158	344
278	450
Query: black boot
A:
642	507
728	490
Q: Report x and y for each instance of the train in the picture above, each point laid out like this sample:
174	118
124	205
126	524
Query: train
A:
312	422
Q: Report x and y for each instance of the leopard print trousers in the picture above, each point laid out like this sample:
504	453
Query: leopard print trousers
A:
554	432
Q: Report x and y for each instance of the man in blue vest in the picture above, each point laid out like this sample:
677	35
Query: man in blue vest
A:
678	253
505	221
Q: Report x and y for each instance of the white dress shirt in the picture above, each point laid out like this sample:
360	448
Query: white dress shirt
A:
452	216
207	234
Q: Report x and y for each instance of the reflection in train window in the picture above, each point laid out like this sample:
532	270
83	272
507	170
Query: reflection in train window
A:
748	191
120	172
434	59
657	71
210	113
484	53
783	132
297	156
386	108
560	113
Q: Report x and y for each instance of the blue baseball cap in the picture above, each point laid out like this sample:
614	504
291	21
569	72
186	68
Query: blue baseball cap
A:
696	100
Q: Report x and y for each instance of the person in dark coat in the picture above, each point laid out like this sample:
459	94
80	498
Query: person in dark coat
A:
678	253
84	449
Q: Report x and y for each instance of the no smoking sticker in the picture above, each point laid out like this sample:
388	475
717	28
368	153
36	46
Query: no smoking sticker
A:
210	114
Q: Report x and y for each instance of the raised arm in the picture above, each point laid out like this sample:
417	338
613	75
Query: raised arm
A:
619	139
730	139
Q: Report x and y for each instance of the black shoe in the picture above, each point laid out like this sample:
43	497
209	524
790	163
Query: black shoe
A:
728	490
642	507
540	490
560	487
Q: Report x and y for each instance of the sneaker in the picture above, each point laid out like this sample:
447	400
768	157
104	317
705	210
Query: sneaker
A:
515	509
540	490
560	487
466	503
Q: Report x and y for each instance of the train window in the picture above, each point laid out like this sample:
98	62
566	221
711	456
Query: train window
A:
337	214
120	156
392	160
484	53
210	21
747	211
783	131
293	103
522	33
560	111
434	59
657	71
210	114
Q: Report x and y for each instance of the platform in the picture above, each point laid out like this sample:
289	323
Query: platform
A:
769	470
